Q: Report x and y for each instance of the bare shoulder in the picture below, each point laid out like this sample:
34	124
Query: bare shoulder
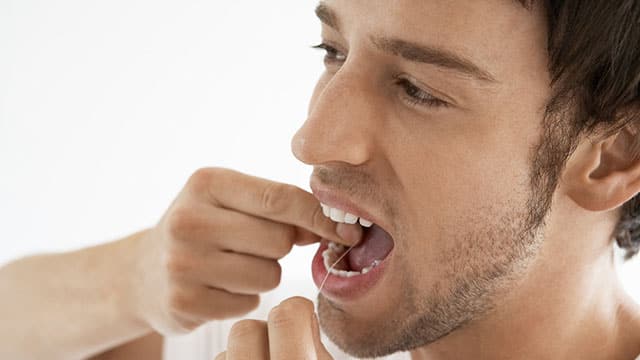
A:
148	347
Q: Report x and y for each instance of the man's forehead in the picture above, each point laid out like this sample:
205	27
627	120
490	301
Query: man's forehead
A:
420	16
481	34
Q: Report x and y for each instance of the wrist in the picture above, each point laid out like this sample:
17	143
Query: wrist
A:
129	277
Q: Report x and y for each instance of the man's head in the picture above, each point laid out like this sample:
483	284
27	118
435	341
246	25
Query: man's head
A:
463	124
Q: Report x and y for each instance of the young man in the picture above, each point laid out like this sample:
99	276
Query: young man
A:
488	151
496	173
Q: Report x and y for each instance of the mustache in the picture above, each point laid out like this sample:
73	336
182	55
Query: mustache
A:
356	183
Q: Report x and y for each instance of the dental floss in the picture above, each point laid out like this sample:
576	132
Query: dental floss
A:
333	266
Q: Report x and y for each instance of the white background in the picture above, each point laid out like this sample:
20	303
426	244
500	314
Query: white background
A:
106	108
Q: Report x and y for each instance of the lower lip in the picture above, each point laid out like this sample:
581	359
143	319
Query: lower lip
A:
344	289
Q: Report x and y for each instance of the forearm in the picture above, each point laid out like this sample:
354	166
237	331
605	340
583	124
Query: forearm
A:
72	305
148	347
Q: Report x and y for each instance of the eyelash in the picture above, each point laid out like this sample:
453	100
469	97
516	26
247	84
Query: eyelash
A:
415	95
331	53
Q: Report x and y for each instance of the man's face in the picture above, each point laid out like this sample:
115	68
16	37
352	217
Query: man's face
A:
437	141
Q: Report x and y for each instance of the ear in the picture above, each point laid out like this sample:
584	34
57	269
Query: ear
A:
604	174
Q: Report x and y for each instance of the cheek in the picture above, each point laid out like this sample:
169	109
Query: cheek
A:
456	195
455	182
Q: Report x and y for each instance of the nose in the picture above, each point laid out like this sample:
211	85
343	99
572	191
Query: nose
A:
342	121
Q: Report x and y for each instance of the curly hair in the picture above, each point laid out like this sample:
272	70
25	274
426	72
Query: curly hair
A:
594	62
628	231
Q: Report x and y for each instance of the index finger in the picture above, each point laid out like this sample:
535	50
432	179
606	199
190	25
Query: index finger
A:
268	199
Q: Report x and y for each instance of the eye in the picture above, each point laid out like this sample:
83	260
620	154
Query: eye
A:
416	96
332	56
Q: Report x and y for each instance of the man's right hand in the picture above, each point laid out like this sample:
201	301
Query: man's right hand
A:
217	247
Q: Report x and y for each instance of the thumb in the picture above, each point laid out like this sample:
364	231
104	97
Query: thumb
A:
321	350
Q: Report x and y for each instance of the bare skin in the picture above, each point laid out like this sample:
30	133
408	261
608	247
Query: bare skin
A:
467	279
169	279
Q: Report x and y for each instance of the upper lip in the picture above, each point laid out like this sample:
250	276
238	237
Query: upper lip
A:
336	200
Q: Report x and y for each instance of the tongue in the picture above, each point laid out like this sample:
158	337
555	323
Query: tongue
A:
376	244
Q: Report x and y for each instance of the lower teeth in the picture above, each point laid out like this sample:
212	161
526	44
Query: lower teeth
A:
333	253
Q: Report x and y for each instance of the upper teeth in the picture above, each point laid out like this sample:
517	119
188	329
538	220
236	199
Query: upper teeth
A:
340	216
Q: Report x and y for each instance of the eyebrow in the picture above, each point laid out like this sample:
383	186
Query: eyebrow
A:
327	16
432	55
414	52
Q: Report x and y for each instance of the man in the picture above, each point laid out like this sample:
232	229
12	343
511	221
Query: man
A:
495	195
488	152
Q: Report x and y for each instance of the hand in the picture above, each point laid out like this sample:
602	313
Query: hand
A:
217	247
292	332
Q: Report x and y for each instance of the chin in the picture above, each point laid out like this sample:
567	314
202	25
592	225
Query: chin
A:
361	338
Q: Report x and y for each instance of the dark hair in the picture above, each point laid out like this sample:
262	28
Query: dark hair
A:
594	63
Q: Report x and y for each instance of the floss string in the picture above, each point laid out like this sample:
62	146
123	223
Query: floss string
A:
333	266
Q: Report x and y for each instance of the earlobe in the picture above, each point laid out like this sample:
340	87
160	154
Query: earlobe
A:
603	175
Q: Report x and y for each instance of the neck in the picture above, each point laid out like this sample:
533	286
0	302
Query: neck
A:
565	311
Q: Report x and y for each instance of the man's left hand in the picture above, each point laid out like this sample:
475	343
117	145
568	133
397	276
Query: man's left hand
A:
291	332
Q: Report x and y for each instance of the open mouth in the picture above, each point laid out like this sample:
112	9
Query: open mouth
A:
374	246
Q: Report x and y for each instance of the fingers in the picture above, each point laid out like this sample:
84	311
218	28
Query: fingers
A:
248	339
350	232
247	234
293	331
239	274
221	356
202	228
259	197
305	237
202	304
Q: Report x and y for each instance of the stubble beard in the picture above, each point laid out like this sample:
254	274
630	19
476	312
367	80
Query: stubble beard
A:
487	263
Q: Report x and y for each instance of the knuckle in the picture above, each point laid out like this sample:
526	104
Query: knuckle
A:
201	180
178	264
246	327
274	197
179	302
180	223
202	175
